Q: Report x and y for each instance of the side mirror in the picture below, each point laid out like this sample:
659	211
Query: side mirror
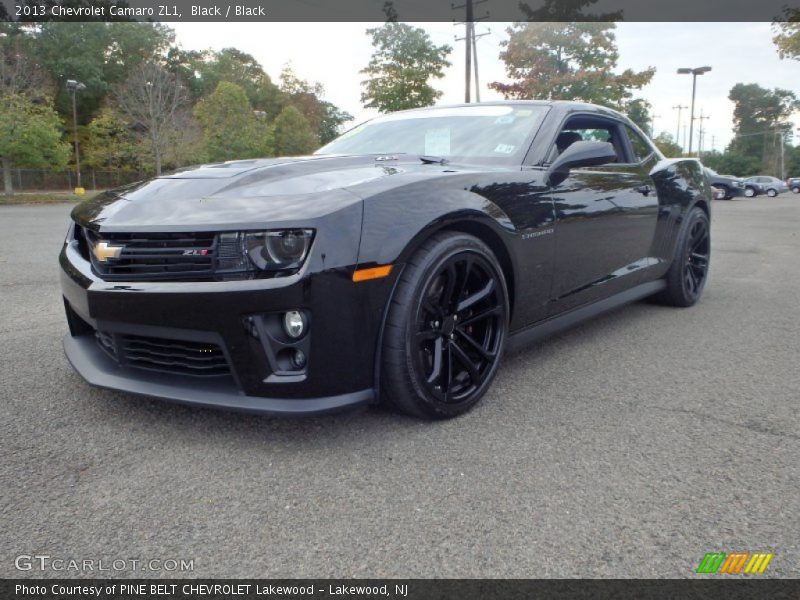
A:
580	154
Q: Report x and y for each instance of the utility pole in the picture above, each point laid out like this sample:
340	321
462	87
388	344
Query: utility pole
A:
653	125
701	132
679	108
73	87
469	44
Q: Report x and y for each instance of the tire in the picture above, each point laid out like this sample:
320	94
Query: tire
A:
749	192
688	273
796	189
727	191
449	309
772	193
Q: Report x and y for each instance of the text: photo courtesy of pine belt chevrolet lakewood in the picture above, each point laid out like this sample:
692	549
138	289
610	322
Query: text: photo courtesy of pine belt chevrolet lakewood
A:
394	266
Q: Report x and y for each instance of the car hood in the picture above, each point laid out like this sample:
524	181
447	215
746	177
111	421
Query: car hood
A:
251	193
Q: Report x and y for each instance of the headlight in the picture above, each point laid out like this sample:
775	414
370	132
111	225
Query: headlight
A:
248	254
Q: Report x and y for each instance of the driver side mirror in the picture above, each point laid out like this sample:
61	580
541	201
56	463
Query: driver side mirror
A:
580	154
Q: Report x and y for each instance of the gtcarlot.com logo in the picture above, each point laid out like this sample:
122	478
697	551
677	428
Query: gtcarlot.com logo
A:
734	563
45	562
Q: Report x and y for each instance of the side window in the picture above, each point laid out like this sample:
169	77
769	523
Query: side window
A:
589	129
641	149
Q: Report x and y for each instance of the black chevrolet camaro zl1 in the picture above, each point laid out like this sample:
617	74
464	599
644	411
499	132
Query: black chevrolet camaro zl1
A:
395	265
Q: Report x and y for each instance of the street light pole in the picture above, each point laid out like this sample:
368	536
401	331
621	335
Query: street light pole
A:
679	108
73	87
694	73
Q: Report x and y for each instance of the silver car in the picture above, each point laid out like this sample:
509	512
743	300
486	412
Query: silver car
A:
763	184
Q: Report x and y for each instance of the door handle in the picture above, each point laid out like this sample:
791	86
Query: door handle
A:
643	189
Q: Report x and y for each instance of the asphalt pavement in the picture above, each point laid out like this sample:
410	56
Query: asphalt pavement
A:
627	447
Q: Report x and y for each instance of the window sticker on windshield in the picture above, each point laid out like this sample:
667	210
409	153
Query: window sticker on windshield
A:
437	142
504	120
524	113
504	149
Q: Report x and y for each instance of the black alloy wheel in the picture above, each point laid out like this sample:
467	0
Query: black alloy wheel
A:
688	274
451	311
698	252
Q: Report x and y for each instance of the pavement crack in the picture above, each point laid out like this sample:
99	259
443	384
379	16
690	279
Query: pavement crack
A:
754	426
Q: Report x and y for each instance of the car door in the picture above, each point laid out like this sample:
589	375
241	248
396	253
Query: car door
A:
605	217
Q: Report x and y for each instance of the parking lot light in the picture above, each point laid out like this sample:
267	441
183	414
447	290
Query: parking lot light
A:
694	72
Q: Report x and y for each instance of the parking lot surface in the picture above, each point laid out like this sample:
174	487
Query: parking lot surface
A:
627	447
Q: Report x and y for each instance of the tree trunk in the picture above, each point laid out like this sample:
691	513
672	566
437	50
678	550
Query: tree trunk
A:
7	185
158	164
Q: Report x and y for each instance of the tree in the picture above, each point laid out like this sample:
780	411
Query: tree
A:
231	129
19	74
404	61
567	61
638	111
787	34
110	144
30	136
760	122
150	98
566	10
292	135
666	143
203	71
99	55
323	117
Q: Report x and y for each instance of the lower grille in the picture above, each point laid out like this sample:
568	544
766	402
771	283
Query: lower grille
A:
197	359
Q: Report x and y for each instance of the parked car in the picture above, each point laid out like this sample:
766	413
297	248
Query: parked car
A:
395	265
732	186
763	184
793	183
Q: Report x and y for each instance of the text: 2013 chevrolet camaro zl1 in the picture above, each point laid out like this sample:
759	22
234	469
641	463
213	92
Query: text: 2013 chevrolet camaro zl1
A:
395	265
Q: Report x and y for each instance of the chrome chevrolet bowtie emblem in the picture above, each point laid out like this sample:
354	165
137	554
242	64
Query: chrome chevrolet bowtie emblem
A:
102	251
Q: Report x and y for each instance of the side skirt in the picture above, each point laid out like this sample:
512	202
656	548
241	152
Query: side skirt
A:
544	329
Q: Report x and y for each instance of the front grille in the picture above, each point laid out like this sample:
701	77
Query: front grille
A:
152	256
178	357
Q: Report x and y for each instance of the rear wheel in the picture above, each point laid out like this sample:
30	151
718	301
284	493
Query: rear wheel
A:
749	192
796	189
687	276
446	328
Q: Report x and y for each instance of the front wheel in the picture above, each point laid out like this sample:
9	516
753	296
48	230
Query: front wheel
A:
796	189
688	273
772	193
445	329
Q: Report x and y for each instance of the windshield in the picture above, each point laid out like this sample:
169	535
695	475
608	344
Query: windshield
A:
499	133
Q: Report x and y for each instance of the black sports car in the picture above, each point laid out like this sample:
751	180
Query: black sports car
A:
394	265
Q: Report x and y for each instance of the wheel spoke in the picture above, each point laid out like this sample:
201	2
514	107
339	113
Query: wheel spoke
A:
699	259
478	348
480	316
477	296
466	362
449	389
436	372
462	280
447	300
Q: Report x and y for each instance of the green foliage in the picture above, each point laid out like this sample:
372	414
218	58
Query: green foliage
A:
760	116
231	129
30	136
324	118
292	135
638	111
787	34
99	55
203	72
567	61
566	10
666	143
331	122
404	60
110	144
732	162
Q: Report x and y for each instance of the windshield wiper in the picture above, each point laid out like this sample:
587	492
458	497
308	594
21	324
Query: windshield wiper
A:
430	160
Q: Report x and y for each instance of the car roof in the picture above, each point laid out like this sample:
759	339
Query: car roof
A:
567	105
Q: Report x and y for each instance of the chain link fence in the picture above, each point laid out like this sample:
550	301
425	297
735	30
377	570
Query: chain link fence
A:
43	180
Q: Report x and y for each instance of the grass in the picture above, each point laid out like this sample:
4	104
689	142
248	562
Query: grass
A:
43	198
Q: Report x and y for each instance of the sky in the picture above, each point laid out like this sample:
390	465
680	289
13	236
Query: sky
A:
334	53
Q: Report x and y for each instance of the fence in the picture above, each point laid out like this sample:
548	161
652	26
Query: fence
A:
43	180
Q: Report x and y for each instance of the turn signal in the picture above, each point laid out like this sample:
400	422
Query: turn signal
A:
373	273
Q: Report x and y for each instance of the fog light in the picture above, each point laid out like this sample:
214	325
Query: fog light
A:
294	323
298	359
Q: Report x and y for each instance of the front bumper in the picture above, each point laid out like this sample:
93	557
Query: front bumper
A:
99	370
345	322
